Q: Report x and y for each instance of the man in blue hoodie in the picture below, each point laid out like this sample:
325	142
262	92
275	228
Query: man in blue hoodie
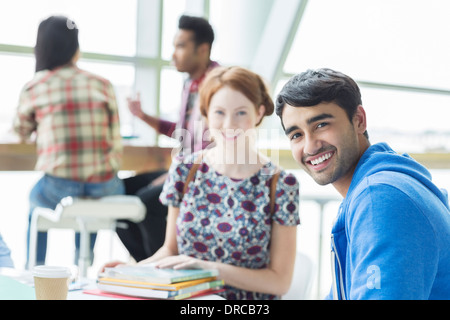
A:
391	238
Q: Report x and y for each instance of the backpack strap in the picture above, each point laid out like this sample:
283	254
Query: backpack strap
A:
273	190
192	172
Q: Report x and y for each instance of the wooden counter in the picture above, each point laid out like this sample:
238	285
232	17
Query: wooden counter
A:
22	157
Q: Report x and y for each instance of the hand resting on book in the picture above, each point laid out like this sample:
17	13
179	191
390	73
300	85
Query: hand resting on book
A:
182	261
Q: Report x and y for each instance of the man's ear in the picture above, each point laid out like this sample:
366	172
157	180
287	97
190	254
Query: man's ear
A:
360	120
204	49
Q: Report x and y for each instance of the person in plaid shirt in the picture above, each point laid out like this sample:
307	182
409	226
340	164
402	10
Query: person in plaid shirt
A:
73	116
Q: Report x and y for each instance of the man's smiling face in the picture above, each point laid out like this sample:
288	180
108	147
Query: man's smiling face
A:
324	141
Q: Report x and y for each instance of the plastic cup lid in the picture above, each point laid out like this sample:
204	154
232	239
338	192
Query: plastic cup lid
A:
51	272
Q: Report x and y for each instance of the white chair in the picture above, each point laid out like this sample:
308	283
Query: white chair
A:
302	279
84	215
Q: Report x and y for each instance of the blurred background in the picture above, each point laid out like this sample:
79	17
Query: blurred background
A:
396	50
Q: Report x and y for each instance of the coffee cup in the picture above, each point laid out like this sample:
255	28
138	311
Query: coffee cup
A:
51	283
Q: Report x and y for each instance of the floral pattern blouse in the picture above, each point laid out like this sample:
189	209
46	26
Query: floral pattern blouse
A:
225	220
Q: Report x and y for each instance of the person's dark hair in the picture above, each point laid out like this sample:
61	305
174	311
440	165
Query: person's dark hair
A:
56	44
313	87
203	32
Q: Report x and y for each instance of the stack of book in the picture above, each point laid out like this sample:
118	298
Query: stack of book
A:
146	281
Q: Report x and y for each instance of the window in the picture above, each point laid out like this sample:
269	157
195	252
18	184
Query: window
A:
172	11
114	24
410	122
381	41
170	101
16	71
395	51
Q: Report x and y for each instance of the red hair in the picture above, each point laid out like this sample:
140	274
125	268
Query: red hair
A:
240	79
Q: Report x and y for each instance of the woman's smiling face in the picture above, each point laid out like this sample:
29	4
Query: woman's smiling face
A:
232	116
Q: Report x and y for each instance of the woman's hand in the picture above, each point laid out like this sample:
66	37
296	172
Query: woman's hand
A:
111	264
182	262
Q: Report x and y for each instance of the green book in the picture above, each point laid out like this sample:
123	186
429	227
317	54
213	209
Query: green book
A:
148	273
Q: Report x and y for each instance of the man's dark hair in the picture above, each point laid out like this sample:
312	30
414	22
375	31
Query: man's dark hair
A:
56	44
203	32
313	87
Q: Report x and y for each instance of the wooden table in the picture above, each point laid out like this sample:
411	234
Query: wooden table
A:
22	157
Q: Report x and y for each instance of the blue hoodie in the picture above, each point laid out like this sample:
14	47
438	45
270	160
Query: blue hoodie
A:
391	238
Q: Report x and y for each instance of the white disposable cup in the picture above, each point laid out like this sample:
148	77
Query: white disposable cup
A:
51	283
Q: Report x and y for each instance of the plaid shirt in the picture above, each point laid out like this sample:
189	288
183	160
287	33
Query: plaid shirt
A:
75	116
